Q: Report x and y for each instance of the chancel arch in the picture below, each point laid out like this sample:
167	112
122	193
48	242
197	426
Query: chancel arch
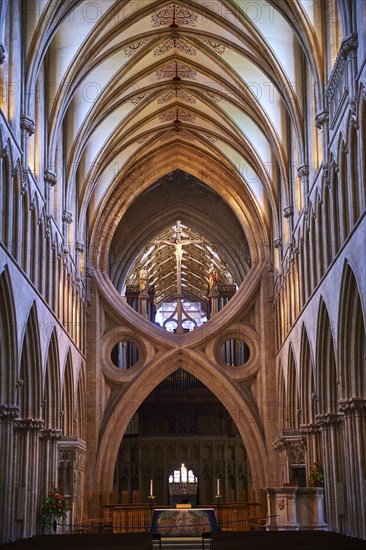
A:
239	405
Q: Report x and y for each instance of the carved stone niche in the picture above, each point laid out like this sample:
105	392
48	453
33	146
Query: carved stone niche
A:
293	444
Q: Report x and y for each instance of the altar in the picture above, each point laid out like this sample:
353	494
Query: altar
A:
188	522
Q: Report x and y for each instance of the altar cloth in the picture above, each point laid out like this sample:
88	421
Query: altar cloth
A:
184	522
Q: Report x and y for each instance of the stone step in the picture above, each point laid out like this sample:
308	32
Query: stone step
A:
181	543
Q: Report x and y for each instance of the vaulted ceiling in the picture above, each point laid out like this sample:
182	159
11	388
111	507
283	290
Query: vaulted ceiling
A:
139	89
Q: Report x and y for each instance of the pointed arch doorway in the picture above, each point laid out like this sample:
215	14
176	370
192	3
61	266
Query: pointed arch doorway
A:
181	430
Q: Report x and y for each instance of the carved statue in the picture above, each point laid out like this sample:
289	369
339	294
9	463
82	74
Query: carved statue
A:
143	278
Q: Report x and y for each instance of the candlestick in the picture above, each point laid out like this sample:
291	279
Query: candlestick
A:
151	487
218	487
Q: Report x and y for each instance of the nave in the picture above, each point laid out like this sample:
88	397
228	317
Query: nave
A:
182	259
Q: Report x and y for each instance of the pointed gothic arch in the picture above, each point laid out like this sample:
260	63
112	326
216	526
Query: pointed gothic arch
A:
31	390
307	381
52	386
80	409
292	393
68	401
281	397
351	337
326	366
240	405
8	340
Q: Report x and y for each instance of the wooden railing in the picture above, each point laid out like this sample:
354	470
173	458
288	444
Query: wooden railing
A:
136	518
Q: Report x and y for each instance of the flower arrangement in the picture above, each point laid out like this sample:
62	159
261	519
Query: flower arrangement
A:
55	504
316	476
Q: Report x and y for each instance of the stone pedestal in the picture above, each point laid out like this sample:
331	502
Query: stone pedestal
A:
296	509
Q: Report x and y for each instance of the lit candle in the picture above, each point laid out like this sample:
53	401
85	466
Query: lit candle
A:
218	487
151	487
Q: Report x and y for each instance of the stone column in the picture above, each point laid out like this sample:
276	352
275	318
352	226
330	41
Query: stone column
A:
71	471
27	489
330	427
354	411
311	433
8	413
49	438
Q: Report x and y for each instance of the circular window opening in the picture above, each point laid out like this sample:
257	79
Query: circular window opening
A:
125	354
235	352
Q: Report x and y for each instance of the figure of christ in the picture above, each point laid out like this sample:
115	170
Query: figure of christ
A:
178	242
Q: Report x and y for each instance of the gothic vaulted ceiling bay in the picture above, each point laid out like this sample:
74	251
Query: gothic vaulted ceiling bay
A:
147	88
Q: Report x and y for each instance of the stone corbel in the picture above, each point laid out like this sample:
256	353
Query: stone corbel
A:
288	212
344	148
24	182
90	272
349	44
15	171
303	171
27	124
67	217
50	178
79	247
321	119
277	243
325	174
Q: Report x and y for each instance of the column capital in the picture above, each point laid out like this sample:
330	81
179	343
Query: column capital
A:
329	419
29	424
353	404
51	434
8	412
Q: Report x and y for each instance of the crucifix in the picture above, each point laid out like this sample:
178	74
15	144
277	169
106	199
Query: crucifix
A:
178	240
